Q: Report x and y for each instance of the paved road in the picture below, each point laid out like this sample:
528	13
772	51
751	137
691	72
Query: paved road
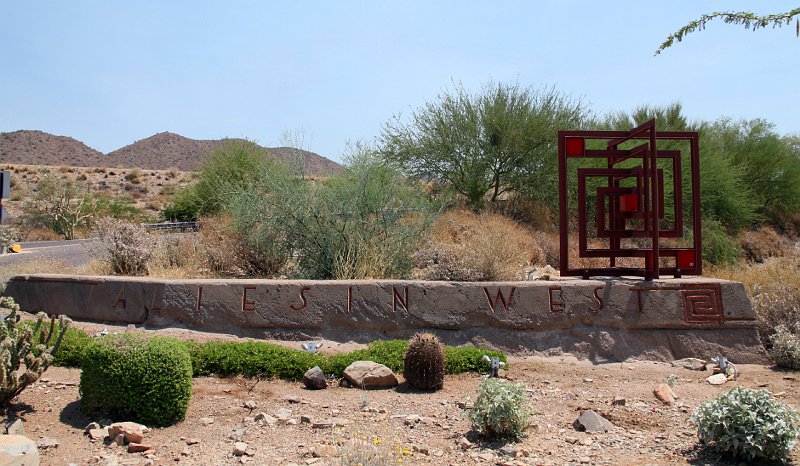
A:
75	253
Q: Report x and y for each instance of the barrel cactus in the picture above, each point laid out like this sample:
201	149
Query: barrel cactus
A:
22	343
424	362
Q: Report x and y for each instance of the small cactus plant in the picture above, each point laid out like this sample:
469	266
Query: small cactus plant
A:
30	345
424	362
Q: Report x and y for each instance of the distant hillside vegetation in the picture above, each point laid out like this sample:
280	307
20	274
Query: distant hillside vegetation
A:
161	151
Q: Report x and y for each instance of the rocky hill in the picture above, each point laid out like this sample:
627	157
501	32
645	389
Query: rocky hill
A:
40	148
161	151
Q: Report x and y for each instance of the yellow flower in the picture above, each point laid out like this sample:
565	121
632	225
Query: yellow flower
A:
405	451
377	441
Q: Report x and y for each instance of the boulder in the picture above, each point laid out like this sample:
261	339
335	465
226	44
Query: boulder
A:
368	374
590	421
717	379
133	432
18	450
664	394
314	379
693	364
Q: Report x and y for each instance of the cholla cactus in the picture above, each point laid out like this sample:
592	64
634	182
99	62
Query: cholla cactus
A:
26	344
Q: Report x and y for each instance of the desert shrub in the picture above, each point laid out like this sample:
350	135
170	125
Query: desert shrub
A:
499	409
73	344
364	223
134	176
251	359
127	246
31	346
464	246
221	247
119	207
765	242
786	347
269	360
8	236
130	376
749	424
776	304
718	246
423	366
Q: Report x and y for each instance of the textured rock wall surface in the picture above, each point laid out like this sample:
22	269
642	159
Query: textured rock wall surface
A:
612	319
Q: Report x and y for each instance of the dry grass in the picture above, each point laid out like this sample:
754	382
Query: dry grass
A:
35	266
773	286
763	243
464	246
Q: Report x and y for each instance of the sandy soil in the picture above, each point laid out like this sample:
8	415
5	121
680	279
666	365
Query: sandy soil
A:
404	425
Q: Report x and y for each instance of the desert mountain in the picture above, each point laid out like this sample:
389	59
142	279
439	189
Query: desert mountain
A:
40	148
158	152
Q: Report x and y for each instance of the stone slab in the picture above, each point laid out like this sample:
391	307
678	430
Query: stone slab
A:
611	319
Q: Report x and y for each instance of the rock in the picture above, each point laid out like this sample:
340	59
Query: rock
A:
324	451
717	379
412	419
133	432
619	401
590	421
332	422
283	414
250	404
464	444
368	374
508	450
207	421
47	442
18	450
422	449
98	434
693	364
240	449
192	441
486	456
238	434
265	418
15	427
305	419
292	398
108	460
664	394
314	379
119	440
92	425
138	447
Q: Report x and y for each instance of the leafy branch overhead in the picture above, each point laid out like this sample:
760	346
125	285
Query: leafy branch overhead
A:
743	18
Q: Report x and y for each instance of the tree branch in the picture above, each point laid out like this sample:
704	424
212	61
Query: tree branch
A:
743	18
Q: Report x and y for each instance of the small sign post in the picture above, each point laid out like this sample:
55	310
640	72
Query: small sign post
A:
5	188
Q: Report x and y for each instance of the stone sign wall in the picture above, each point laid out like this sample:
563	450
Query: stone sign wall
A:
599	319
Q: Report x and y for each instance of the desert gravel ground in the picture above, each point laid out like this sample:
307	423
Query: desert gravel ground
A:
406	426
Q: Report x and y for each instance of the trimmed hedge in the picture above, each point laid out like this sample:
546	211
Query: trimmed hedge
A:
73	344
261	359
131	376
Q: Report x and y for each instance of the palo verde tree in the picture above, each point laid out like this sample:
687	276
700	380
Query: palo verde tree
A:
742	18
502	139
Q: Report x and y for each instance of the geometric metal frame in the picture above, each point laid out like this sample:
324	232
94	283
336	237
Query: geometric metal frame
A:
645	201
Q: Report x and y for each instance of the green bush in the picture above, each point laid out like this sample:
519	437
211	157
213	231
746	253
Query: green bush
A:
749	424
500	409
251	359
73	344
260	359
786	348
718	246
130	376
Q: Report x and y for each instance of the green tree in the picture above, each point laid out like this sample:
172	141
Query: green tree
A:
743	18
61	205
482	145
235	166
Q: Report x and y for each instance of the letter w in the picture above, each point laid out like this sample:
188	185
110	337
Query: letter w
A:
499	297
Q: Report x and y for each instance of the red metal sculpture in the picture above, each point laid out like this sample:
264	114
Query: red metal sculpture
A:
629	201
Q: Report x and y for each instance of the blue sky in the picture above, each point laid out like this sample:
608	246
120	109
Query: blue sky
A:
109	73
